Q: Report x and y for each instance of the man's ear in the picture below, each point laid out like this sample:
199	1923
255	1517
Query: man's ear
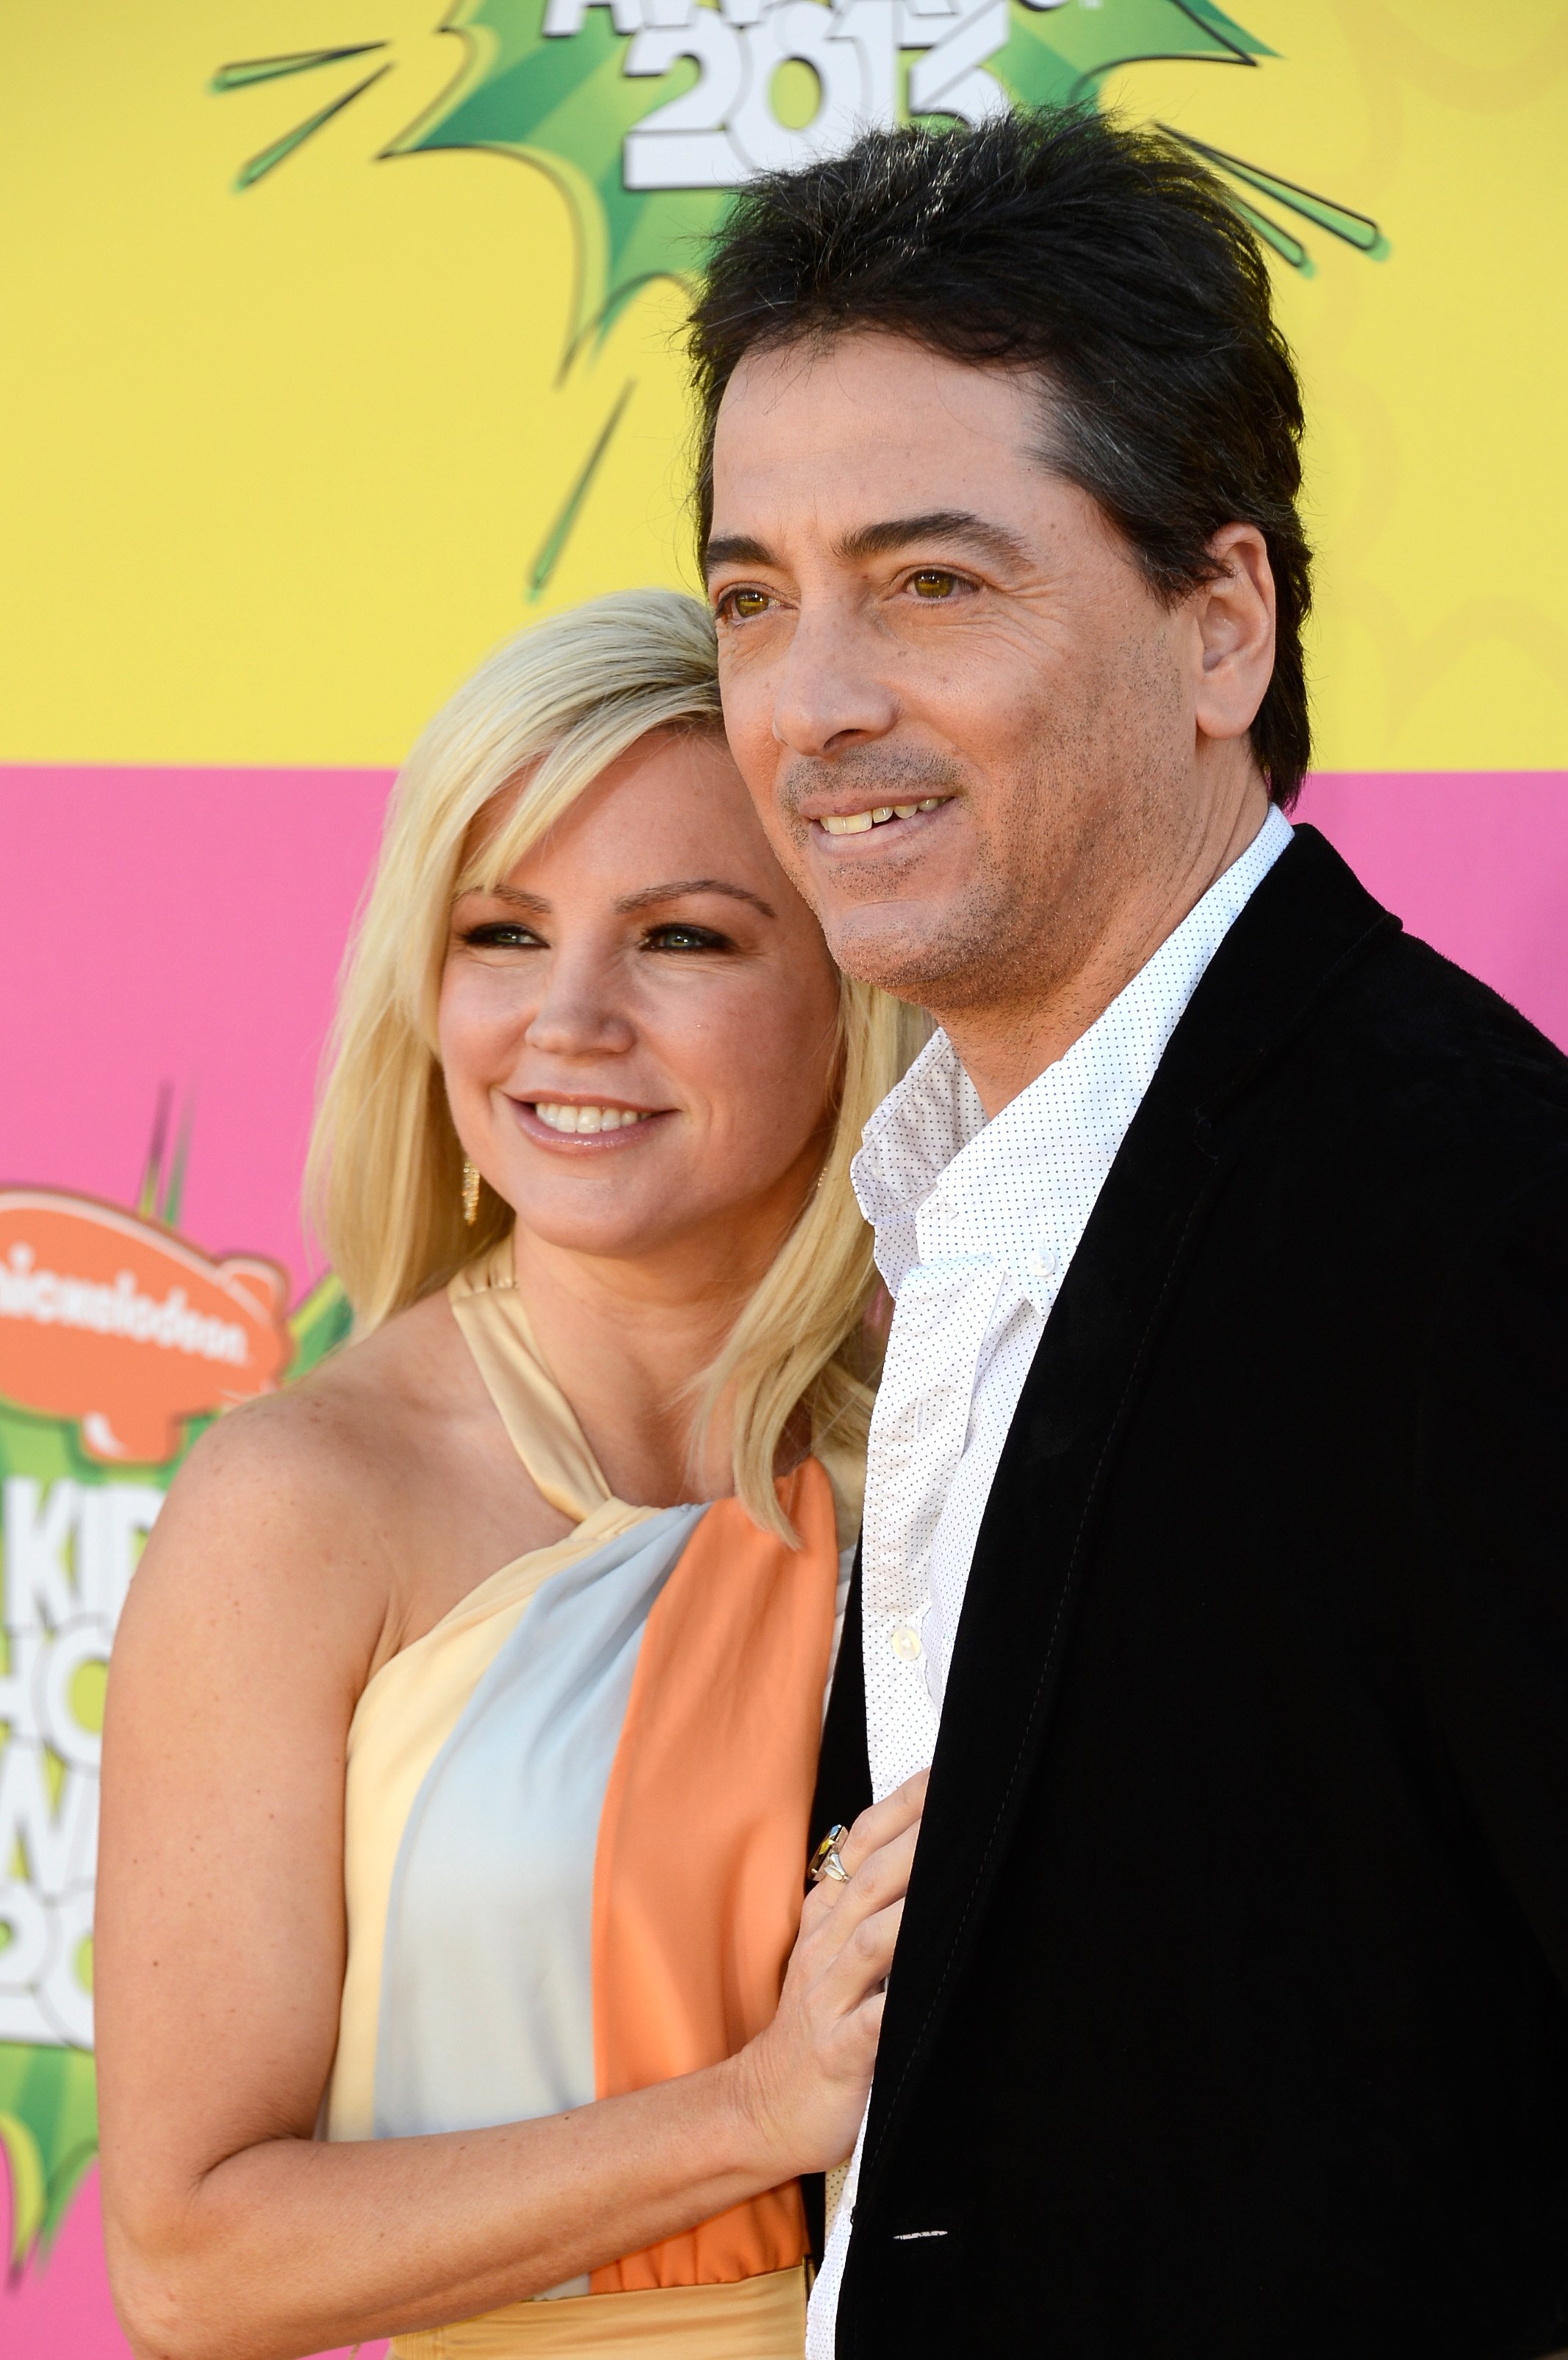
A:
1233	616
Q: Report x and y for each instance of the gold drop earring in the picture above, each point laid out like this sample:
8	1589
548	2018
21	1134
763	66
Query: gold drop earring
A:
470	1192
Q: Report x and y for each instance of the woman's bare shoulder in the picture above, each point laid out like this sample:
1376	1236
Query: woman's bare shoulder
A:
299	1504
338	1437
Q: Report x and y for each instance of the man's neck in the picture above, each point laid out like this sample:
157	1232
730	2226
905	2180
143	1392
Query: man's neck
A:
1006	1040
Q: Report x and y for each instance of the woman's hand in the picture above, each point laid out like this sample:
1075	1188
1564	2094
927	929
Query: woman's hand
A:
803	2084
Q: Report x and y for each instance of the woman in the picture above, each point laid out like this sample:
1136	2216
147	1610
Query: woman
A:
465	1712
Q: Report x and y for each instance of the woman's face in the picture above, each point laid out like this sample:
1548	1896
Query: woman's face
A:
639	1027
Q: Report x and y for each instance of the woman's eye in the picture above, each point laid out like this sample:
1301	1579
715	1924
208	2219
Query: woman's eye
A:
685	938
743	605
932	583
502	934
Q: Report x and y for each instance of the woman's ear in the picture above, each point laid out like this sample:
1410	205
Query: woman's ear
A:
1233	617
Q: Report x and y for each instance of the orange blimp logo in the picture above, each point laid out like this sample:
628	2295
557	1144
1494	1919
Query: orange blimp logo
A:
119	1324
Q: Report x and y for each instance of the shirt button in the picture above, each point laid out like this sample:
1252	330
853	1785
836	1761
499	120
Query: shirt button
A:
906	1644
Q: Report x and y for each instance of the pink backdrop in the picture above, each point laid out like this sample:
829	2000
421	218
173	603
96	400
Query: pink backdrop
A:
59	2309
184	927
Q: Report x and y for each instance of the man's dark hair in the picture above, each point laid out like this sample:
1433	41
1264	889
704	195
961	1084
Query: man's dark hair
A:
1107	259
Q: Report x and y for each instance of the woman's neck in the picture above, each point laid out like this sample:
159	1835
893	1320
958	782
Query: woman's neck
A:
628	1343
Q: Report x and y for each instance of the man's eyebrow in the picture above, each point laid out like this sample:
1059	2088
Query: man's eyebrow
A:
935	524
650	894
881	539
735	549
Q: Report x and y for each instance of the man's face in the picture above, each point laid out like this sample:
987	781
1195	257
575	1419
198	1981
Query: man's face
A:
964	716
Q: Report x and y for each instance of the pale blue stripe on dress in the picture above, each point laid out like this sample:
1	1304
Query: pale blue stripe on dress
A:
487	1981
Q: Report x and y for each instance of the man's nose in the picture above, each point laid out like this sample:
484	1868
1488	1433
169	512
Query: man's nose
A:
832	690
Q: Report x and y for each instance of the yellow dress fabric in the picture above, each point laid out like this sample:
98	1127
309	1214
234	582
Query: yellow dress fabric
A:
759	2318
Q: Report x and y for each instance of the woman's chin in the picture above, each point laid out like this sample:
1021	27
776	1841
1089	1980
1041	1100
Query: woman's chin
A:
618	1232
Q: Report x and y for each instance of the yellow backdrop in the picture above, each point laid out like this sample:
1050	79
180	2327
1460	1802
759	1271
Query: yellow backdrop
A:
280	463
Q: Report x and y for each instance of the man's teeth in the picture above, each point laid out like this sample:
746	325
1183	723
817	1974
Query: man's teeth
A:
580	1119
857	823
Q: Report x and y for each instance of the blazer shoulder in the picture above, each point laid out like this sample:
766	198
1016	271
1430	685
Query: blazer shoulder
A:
1317	978
1323	1013
1403	1118
1451	1001
1434	1038
1393	1087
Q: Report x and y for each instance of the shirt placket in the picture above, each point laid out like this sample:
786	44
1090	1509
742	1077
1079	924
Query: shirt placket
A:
919	1429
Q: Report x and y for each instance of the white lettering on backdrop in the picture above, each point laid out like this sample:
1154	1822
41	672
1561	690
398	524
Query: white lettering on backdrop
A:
69	1550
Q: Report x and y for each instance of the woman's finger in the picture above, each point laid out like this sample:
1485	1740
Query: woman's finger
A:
882	1822
881	1877
862	1962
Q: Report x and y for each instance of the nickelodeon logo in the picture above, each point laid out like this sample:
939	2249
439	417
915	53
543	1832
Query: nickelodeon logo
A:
118	1324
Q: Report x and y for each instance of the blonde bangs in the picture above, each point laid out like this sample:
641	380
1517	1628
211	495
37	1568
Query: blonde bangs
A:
562	775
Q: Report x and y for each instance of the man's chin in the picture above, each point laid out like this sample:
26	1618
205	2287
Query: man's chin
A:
900	946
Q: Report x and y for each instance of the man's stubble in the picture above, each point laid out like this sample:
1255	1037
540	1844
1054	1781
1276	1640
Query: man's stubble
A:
1049	859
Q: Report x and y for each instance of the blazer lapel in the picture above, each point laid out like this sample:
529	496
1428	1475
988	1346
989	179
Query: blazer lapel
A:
1307	923
843	1767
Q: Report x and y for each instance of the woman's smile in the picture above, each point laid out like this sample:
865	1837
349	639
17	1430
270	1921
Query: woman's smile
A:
585	1126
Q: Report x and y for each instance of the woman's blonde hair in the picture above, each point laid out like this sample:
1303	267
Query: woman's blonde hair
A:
557	705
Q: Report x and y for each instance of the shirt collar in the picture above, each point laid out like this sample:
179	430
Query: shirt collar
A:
1000	1182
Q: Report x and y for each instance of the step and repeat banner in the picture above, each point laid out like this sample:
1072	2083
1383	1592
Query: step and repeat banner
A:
343	338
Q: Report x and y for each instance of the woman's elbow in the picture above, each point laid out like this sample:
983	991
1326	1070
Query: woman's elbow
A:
160	2279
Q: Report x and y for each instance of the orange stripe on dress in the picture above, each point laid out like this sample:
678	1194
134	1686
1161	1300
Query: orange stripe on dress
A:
700	1863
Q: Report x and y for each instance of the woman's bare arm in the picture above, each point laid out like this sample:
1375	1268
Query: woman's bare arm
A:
251	1626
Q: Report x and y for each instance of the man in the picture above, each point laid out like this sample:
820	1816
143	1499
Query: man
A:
1216	1538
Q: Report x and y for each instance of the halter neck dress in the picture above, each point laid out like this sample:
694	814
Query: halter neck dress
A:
575	1840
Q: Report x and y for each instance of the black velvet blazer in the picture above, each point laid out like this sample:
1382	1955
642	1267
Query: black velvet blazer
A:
1229	2018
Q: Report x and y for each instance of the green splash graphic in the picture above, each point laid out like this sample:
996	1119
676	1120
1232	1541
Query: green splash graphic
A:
1058	57
49	2136
564	104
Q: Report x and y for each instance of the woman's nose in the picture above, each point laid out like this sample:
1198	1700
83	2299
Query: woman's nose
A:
579	1014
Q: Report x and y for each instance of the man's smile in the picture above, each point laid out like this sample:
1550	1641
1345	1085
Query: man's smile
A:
858	822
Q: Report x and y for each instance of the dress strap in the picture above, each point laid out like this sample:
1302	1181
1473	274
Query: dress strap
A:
535	1412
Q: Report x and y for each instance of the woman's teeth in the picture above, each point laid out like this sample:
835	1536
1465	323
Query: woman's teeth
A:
857	823
580	1119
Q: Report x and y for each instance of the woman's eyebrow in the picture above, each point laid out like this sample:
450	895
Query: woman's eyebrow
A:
535	902
649	894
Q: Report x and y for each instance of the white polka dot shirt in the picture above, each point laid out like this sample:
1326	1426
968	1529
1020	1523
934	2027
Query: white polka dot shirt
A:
976	1223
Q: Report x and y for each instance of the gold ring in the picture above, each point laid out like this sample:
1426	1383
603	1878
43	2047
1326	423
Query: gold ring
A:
827	1861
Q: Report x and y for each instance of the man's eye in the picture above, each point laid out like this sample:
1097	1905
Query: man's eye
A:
743	605
932	583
